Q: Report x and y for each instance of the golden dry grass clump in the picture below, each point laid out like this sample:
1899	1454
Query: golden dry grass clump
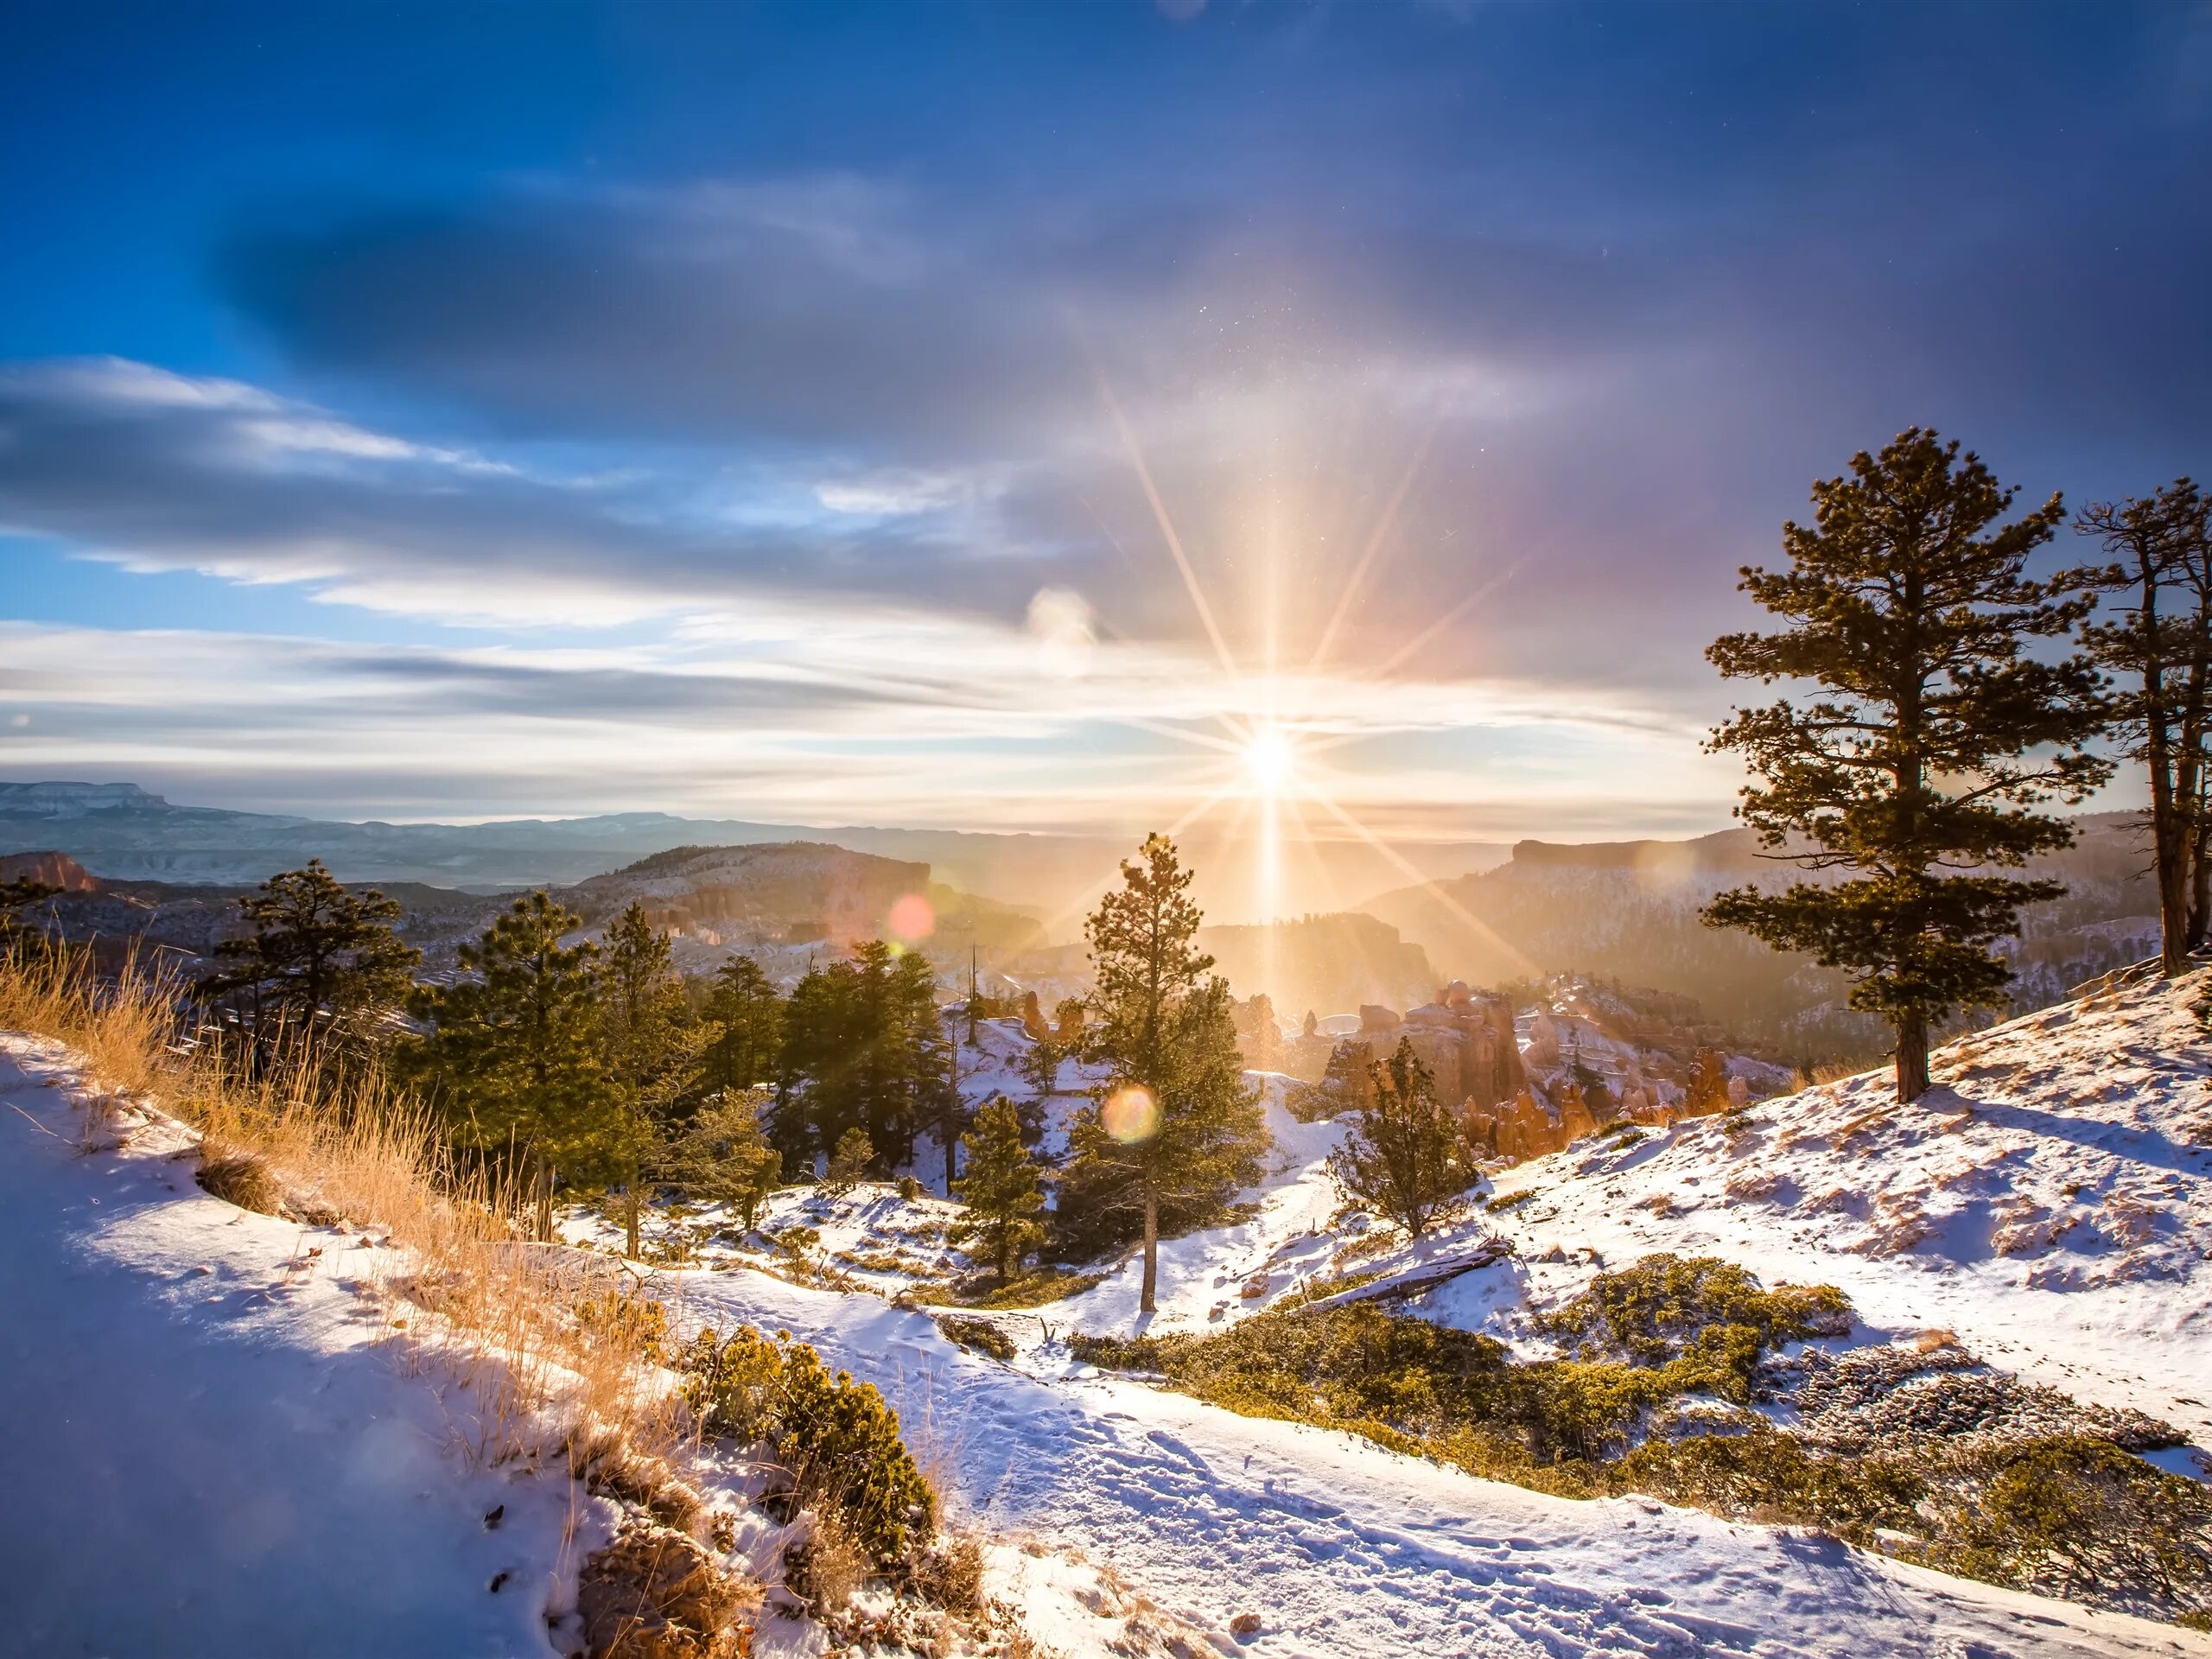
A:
240	1177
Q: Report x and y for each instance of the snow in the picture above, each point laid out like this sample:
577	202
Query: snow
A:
2051	1202
213	1449
1341	1548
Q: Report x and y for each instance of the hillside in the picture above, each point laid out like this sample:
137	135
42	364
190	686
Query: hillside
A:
1628	911
782	902
2024	1256
2051	1202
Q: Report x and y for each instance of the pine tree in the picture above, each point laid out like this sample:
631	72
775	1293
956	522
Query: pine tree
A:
316	948
939	1106
513	1058
644	1022
1173	1133
849	1163
1002	1190
1933	738
1040	1067
15	897
744	1018
1405	1156
2160	643
723	1157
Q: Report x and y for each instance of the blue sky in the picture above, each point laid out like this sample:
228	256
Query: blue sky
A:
984	416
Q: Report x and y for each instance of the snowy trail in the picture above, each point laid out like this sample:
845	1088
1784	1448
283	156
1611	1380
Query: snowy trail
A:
209	1450
1345	1549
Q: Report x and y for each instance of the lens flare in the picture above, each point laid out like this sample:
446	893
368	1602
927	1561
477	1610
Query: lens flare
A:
912	918
1130	1113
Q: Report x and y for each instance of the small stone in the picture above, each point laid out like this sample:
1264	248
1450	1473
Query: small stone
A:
1245	1625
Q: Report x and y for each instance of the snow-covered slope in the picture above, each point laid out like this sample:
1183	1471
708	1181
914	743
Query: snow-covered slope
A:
2051	1202
210	1450
1337	1547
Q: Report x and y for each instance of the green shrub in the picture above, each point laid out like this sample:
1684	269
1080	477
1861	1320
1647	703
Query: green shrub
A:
1668	1308
1771	1476
977	1336
2077	1516
837	1438
631	1322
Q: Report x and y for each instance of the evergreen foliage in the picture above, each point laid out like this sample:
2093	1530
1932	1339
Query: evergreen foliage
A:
315	948
2160	645
1162	1026
1040	1067
744	1020
835	1437
16	896
513	1056
644	1022
1933	738
849	1162
1405	1155
722	1156
1002	1190
863	1048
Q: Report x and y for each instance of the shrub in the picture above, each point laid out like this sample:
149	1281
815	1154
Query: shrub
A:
656	1593
837	1438
1766	1476
1668	1307
977	1336
1354	1366
630	1323
2075	1516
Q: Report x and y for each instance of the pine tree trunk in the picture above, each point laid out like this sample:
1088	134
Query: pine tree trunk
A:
2174	897
951	1170
1912	1057
630	1219
1148	1301
544	1200
2200	899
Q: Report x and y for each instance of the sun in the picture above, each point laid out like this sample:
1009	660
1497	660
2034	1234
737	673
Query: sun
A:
1270	759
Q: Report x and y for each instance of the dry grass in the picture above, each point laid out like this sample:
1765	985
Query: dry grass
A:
240	1177
453	1270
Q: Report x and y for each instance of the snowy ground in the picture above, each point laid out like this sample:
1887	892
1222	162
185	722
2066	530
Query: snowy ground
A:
1342	1548
217	1444
211	1449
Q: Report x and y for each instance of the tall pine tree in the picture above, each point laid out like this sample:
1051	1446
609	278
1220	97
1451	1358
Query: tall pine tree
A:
744	1017
2159	642
513	1056
1933	736
1174	1133
645	1019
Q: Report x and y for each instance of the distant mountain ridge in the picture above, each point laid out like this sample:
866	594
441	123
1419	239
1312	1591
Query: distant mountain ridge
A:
122	832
